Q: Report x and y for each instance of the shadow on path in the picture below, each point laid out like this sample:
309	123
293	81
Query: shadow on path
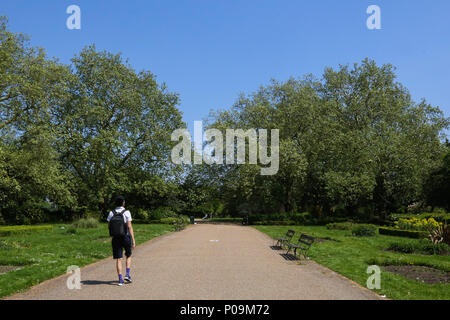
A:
98	282
276	248
289	257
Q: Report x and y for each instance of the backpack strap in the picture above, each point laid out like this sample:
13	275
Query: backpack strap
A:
126	225
117	213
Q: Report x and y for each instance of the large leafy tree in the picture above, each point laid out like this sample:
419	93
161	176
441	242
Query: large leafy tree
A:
30	85
355	138
387	143
117	122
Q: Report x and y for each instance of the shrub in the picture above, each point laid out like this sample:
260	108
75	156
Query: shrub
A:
71	230
340	226
170	220
301	218
274	223
280	223
440	234
364	230
281	219
417	224
93	214
141	214
328	220
162	212
26	214
439	217
86	223
230	220
428	247
422	246
9	230
402	233
407	247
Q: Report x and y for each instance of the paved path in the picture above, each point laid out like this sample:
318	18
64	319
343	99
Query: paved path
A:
187	265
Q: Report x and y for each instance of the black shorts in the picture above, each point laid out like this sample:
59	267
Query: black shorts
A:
119	244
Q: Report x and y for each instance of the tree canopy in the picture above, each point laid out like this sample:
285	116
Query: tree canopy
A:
352	142
353	139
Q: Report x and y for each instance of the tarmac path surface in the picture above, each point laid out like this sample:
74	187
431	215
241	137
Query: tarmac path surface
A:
210	262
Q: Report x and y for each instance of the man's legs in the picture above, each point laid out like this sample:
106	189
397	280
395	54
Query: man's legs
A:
119	265
119	270
128	261
128	251
117	255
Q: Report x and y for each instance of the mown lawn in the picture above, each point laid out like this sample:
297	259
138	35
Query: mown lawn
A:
350	256
47	255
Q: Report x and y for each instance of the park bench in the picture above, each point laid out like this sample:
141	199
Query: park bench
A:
303	244
286	239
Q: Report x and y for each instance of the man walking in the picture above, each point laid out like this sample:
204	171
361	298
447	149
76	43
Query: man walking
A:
124	241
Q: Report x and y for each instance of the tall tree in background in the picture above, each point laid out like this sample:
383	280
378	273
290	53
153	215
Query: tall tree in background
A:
30	85
73	135
116	124
437	185
354	139
388	143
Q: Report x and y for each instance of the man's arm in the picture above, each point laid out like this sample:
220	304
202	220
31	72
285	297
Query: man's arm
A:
109	218
130	228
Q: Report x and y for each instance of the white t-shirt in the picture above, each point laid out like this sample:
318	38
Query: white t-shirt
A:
126	214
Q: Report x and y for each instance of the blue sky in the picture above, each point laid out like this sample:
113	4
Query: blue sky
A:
209	51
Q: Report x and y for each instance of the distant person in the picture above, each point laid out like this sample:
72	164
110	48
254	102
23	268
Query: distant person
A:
121	230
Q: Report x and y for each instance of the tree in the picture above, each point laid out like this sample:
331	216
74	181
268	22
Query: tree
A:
115	122
29	82
385	138
354	139
437	185
30	85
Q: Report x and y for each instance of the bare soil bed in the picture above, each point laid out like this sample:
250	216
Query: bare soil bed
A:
423	274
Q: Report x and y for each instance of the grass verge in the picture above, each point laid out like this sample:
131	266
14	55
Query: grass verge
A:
350	256
46	255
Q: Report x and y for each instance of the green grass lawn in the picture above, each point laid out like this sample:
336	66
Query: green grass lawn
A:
47	255
352	255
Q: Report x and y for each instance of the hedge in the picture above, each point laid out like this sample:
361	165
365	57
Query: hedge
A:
10	230
440	217
340	226
274	223
281	218
422	246
364	230
231	220
402	233
169	220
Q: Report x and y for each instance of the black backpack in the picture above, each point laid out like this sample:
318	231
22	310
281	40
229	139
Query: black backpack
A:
117	228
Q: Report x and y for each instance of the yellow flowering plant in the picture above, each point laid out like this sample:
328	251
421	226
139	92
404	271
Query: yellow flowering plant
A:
416	224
